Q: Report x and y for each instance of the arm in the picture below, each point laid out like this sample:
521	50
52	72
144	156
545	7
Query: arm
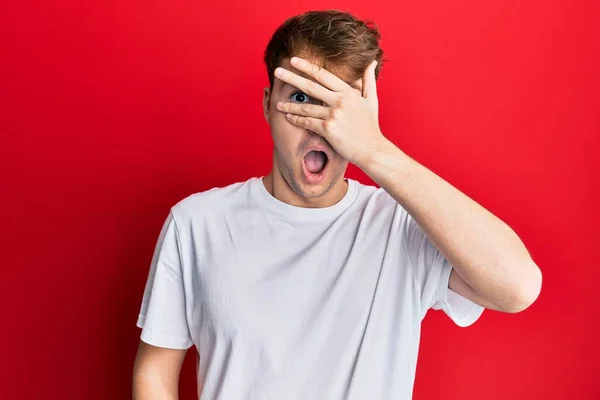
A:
156	372
491	265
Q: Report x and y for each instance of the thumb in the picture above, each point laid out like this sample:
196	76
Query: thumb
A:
370	84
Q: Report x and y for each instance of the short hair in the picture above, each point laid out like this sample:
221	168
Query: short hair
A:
336	40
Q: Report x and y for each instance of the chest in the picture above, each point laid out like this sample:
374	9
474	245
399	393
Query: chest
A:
255	277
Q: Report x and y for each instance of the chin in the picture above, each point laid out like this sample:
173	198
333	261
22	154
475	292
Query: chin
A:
314	191
312	187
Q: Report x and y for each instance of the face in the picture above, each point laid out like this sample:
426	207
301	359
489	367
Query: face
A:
292	144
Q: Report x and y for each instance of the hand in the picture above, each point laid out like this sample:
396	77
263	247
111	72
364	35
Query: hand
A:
348	121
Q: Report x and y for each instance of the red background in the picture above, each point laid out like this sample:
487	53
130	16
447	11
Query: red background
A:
112	112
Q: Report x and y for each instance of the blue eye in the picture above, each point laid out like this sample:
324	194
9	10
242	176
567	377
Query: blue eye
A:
301	95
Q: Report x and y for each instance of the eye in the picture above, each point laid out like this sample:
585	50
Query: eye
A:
301	96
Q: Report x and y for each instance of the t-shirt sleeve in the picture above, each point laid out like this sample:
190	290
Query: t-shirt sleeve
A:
432	273
163	312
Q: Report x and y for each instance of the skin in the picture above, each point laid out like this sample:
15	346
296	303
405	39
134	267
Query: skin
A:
156	372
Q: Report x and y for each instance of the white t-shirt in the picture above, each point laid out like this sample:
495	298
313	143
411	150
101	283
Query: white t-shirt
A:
285	302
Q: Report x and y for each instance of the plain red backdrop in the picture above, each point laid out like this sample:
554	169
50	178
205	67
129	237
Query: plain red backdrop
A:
110	112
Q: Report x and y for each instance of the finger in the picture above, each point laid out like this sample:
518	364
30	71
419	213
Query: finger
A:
370	83
320	74
311	88
358	86
314	124
306	109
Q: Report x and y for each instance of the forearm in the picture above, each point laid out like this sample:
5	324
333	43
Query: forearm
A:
486	252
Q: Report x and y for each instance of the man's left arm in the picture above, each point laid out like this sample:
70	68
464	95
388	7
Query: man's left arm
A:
491	265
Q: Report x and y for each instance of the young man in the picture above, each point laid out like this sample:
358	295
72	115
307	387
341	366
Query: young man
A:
307	285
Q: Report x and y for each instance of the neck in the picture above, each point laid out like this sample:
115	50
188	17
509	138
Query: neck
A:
279	188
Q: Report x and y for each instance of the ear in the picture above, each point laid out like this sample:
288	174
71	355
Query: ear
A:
267	103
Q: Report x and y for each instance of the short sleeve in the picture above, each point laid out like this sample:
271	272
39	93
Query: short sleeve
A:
163	312
432	273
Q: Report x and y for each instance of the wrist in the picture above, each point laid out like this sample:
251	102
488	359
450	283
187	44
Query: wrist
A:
383	156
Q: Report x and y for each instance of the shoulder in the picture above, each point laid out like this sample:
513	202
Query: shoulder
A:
376	198
207	202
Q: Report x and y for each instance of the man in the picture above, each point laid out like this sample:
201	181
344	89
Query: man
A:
307	285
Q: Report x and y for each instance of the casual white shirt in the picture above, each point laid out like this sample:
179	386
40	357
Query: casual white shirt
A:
286	302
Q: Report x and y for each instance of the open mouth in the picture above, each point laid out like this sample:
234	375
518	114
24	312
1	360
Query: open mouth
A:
315	165
315	161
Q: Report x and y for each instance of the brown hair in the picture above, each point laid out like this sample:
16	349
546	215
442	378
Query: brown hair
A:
336	40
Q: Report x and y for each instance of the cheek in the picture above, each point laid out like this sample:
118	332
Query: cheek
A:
284	130
287	138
